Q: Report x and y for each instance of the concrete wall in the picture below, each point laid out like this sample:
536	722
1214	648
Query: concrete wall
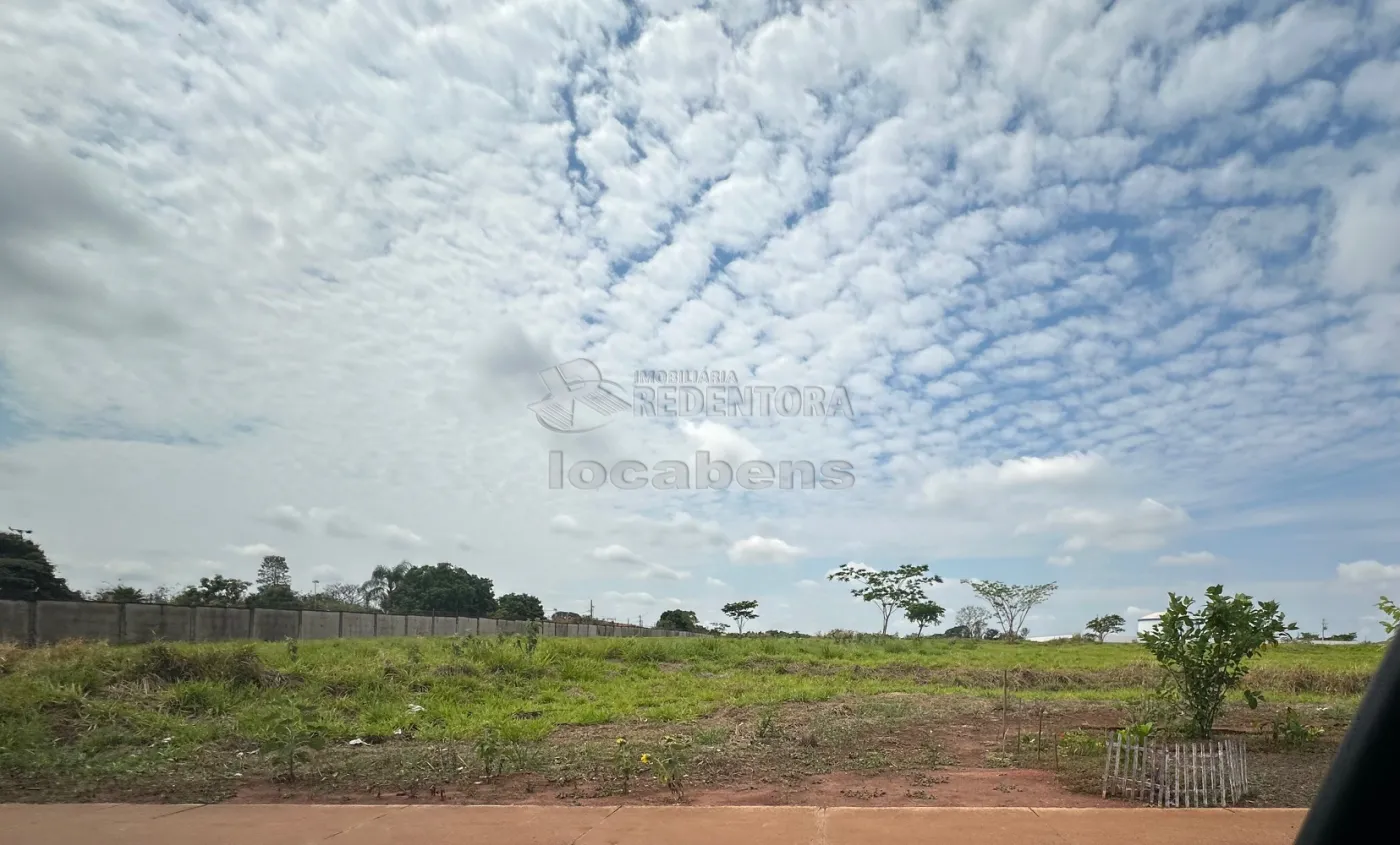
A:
269	624
62	620
146	623
389	625
14	622
319	625
52	621
357	624
212	624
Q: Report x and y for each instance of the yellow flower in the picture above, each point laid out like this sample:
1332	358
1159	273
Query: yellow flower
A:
646	759
621	742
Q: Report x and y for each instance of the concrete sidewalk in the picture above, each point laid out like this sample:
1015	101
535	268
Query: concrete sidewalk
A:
420	824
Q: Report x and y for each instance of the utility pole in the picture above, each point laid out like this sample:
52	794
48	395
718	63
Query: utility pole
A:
590	608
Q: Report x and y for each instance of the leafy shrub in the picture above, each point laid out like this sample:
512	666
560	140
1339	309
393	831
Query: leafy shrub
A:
1205	652
1290	732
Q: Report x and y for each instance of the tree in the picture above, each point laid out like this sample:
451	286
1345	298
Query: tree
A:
890	588
678	620
1205	652
348	594
121	594
1389	608
26	574
1010	603
218	591
974	619
923	614
383	583
741	612
441	588
518	606
274	572
959	632
1102	626
278	596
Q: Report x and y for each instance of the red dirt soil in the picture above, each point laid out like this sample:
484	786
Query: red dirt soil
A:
943	788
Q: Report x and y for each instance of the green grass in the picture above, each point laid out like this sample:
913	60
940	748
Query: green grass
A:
93	711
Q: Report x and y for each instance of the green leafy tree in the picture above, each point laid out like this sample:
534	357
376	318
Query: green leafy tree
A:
1389	608
1010	603
349	596
973	619
959	632
741	612
215	591
276	596
383	583
1102	626
519	606
121	594
923	614
274	572
25	571
678	620
1205	652
442	588
890	589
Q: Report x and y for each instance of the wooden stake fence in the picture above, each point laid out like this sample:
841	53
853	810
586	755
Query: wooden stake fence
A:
1197	774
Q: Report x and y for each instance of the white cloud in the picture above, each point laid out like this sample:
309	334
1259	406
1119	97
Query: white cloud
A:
1189	559
565	524
808	583
1367	571
1145	526
722	442
988	478
643	568
758	549
254	550
616	554
1102	258
1060	560
715	582
396	536
287	518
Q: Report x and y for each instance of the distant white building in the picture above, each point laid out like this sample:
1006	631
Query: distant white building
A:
1050	639
1148	622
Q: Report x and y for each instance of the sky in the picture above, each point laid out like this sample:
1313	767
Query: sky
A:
1113	289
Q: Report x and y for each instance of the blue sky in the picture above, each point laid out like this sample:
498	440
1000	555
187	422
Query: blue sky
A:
1114	289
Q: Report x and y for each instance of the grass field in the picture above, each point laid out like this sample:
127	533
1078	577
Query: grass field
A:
181	720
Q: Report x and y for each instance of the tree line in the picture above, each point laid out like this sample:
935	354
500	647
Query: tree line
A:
27	574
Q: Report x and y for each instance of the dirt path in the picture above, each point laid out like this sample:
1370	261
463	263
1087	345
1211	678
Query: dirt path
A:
293	824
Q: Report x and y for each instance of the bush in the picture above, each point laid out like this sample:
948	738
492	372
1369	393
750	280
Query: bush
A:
1205	652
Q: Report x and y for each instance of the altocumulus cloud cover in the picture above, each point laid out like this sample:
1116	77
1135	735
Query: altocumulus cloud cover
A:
1114	289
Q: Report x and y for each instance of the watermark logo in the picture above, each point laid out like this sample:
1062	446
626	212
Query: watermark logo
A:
579	399
706	475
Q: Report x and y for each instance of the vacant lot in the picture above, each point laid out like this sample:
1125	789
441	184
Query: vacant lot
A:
495	720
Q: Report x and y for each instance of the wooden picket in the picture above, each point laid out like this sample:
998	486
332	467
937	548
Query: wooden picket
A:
1196	774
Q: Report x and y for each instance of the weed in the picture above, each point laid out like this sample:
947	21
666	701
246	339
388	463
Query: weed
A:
998	760
668	765
767	727
1077	743
490	749
1290	732
710	736
624	766
290	742
293	649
